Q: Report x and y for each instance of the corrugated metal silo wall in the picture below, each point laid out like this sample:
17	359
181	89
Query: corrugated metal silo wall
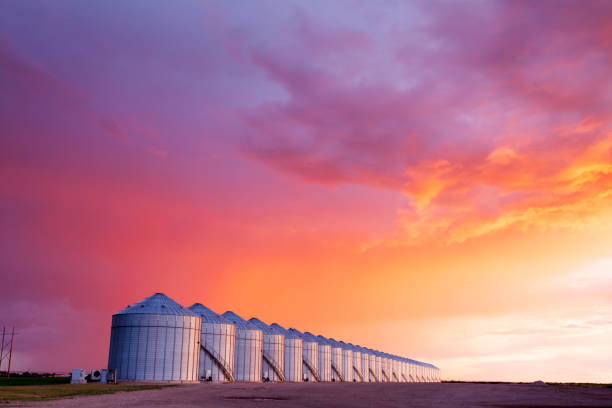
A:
325	370
395	368
274	349
337	363
293	359
347	365
220	340
150	347
248	356
310	354
357	372
372	366
365	365
379	368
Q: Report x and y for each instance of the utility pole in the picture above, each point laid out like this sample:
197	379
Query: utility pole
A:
8	372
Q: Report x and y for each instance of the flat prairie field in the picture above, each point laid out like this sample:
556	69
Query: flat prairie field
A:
342	395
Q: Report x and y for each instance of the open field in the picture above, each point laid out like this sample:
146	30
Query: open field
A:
347	395
18	381
14	392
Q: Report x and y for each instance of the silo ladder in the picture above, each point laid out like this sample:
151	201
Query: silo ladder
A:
276	368
385	376
404	377
337	372
220	362
395	376
373	375
358	373
312	370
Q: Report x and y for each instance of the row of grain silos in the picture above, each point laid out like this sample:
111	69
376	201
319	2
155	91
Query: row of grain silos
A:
158	339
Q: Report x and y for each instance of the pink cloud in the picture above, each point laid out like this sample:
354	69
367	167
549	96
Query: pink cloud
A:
507	116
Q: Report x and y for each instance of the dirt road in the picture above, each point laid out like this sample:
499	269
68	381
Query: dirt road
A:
353	395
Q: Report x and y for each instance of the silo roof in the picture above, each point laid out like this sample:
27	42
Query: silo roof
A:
239	321
324	339
207	315
340	344
282	330
311	337
158	304
264	327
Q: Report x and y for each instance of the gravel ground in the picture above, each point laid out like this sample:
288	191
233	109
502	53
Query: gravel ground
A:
353	395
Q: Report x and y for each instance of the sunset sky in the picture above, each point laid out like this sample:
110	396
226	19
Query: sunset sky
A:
431	179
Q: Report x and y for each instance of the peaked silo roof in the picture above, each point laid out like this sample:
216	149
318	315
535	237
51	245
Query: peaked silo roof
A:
264	327
238	321
311	337
298	333
340	344
282	330
158	304
326	340
207	315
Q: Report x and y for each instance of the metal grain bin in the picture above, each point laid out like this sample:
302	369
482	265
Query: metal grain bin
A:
374	377
413	374
347	360
293	354
404	369
395	376
365	364
217	345
324	363
384	377
156	339
336	359
357	369
248	350
273	365
310	357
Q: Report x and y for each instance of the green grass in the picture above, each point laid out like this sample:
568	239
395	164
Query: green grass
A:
33	380
49	392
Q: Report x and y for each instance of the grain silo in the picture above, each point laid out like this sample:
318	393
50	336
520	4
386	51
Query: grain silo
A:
371	364
417	371
324	363
347	360
336	359
273	364
310	357
376	365
358	375
365	364
395	376
248	349
413	369
155	339
216	346
293	354
404	369
384	369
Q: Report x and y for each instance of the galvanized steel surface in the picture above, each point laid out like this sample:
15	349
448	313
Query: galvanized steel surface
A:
156	339
293	354
249	349
217	349
310	357
357	372
273	350
324	363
